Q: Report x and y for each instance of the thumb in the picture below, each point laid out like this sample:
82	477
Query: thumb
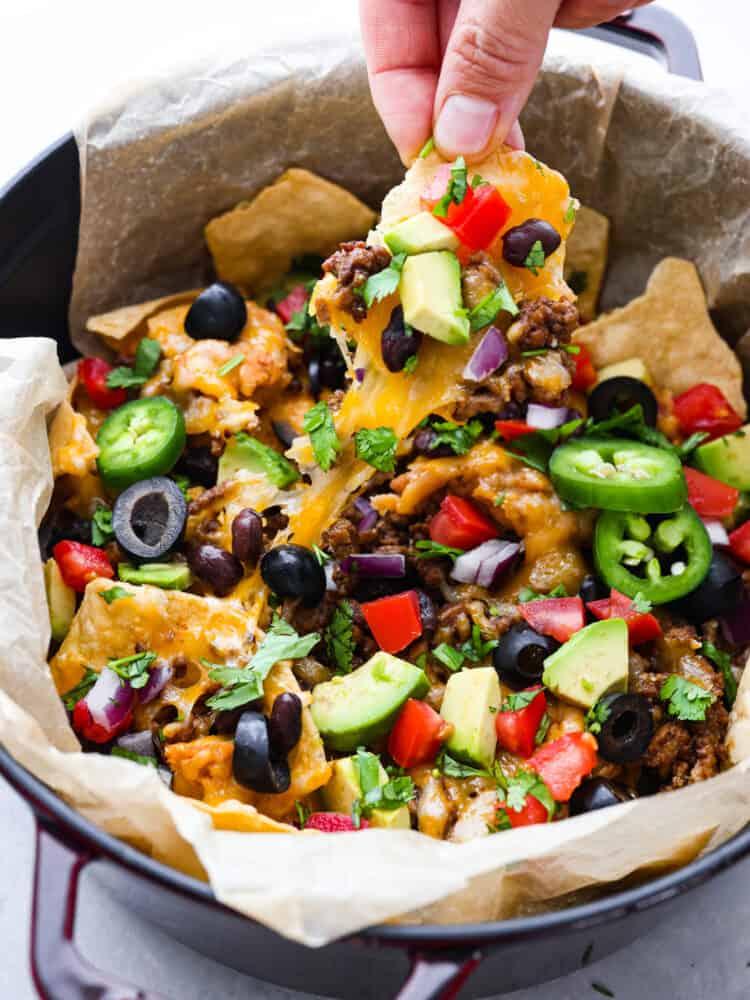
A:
492	58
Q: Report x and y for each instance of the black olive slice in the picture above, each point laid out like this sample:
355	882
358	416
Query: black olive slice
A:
219	313
719	593
293	571
618	395
148	518
253	764
520	654
596	794
626	727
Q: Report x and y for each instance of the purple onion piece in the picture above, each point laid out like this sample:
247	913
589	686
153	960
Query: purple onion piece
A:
159	675
110	699
489	354
546	417
376	565
736	626
359	374
369	515
717	533
141	743
486	563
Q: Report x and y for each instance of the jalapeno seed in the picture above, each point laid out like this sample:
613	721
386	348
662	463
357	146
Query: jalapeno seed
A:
218	568
219	313
518	241
247	536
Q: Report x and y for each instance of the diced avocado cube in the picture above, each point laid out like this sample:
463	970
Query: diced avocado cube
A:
343	788
245	454
590	664
421	234
359	708
168	576
61	600
471	701
727	458
631	367
431	296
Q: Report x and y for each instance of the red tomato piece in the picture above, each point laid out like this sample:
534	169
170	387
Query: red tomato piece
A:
417	734
564	763
394	621
295	300
559	617
516	730
533	812
509	430
460	525
739	542
708	496
486	214
585	374
79	564
706	408
93	374
333	823
642	625
85	726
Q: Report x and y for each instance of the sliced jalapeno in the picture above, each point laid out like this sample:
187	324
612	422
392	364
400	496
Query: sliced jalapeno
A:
141	439
668	562
618	474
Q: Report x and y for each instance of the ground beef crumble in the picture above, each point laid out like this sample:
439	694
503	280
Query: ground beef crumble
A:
352	264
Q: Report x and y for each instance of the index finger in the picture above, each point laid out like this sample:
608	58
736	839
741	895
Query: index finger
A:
402	46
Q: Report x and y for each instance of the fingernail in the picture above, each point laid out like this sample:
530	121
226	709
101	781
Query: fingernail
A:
465	124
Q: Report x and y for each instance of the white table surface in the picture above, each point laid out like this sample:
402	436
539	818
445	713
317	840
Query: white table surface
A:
57	57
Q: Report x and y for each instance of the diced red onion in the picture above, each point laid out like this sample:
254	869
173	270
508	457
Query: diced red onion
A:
110	699
717	533
359	374
328	569
141	743
486	563
159	675
736	626
376	565
546	417
369	515
489	354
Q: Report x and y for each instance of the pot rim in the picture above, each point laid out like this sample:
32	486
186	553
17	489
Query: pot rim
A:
45	802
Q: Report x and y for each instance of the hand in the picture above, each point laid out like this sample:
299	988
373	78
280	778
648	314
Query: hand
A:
463	69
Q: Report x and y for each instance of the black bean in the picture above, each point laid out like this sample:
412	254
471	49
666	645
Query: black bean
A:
427	612
424	444
200	466
313	373
218	568
247	536
285	723
518	241
397	344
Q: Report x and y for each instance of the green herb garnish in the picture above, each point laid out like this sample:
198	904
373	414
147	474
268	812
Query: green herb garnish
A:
377	447
147	356
686	701
410	365
114	594
339	638
456	190
384	283
318	423
427	148
485	311
427	549
230	365
460	438
137	758
133	668
724	662
82	688
101	526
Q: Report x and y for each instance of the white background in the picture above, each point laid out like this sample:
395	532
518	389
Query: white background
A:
59	57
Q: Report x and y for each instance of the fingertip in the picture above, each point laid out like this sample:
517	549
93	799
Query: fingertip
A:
515	138
404	99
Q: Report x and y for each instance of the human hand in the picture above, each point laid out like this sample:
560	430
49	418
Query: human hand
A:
463	69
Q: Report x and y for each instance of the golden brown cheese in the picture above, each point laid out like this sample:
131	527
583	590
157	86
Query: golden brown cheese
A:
72	449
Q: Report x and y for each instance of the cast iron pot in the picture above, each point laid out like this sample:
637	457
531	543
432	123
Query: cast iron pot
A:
38	233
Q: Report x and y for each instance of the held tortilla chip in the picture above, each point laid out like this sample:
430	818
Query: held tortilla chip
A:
116	326
669	328
586	259
253	244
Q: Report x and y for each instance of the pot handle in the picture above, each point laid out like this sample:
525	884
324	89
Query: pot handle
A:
660	27
59	971
438	975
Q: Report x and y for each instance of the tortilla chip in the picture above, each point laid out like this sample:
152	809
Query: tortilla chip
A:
738	731
242	818
72	449
586	259
670	329
253	244
117	326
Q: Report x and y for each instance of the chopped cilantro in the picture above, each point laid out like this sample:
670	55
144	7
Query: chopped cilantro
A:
452	768
377	447
689	446
137	758
596	716
499	500
147	356
82	688
570	211
379	286
523	783
101	526
230	365
536	448
456	190
641	604
474	649
539	166
428	549
421	661
461	438
724	662
541	733
485	311
318	423
518	700
501	822
526	594
303	813
133	668
321	556
240	685
393	794
536	257
339	638
478	181
114	594
410	365
535	353
427	148
452	658
571	348
686	701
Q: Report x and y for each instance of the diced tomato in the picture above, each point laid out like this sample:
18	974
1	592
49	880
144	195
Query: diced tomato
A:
642	625
85	726
93	374
585	374
739	542
708	496
79	563
705	408
436	188
333	823
533	812
516	731
509	430
295	300
564	763
486	214
417	735
394	621
559	617
460	525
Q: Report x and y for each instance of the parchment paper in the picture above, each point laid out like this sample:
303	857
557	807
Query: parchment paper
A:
664	158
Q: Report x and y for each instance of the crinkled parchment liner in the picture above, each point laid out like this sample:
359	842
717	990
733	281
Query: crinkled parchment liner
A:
664	158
